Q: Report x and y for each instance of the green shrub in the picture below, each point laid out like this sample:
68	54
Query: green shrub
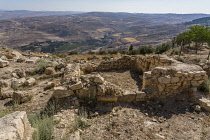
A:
133	52
175	51
113	52
205	86
4	112
42	64
102	52
43	122
43	126
73	53
123	52
162	48
90	52
181	59
146	50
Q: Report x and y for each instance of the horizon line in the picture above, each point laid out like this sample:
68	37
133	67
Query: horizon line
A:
99	12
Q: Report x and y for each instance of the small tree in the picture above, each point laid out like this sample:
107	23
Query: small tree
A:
199	34
130	48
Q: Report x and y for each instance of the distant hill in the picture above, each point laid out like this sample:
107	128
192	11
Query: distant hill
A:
91	31
24	13
200	21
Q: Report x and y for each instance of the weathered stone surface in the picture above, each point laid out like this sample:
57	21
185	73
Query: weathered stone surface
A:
107	99
140	96
76	86
147	74
175	79
50	85
29	61
101	89
15	126
49	71
15	83
3	63
30	82
98	79
127	96
204	103
82	93
61	92
21	96
20	73
6	93
164	80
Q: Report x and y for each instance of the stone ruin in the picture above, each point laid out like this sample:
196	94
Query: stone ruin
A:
162	77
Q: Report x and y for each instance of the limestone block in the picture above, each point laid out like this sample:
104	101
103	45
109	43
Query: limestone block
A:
3	63
175	79
15	126
197	77
21	96
29	61
161	88
30	82
195	83
98	79
204	103
148	74
140	96
191	74
107	98
76	86
164	80
179	74
6	93
101	89
82	93
20	73
127	96
61	92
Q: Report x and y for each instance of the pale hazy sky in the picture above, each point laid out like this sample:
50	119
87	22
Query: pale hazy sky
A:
133	6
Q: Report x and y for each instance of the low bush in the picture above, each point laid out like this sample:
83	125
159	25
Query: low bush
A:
162	48
146	50
181	59
43	122
205	86
42	64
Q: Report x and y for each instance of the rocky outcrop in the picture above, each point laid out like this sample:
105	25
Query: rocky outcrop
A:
21	96
3	63
15	126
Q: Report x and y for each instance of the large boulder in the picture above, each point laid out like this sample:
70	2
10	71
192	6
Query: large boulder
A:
49	71
15	126
30	82
3	63
61	92
21	96
6	93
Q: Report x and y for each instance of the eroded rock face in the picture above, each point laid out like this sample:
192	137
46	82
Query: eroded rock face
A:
15	126
21	96
49	71
3	63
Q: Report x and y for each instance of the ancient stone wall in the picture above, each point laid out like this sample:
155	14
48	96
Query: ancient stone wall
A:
162	76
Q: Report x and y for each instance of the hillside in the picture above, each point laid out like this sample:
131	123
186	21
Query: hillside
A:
88	97
91	31
24	13
201	21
